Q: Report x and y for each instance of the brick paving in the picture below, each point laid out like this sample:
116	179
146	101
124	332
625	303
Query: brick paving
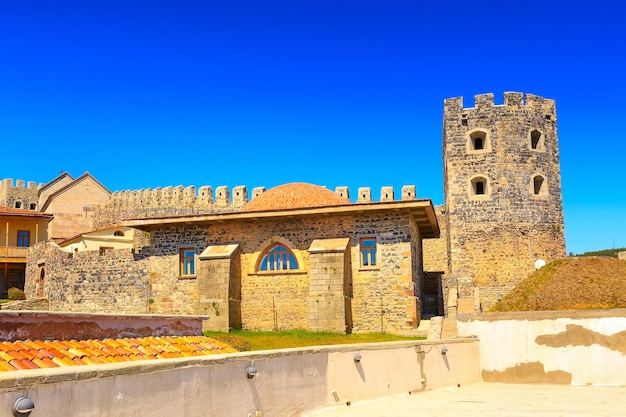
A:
493	400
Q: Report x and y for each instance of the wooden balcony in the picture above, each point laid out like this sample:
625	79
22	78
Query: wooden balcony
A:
13	254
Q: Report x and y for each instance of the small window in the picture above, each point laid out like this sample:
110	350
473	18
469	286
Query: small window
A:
278	258
104	250
187	262
539	185
479	186
33	206
23	238
478	142
18	204
118	233
368	251
537	140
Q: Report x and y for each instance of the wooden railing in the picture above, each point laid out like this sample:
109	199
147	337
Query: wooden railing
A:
12	252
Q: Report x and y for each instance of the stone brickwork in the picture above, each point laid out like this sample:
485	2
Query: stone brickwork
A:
330	286
116	282
502	192
385	297
23	195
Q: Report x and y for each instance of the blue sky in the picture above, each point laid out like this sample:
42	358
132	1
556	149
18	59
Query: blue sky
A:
336	93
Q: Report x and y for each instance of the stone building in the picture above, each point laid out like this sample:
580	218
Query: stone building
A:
296	256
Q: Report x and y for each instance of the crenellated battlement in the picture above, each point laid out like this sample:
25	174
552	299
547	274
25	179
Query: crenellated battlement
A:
512	100
179	200
224	198
19	194
7	184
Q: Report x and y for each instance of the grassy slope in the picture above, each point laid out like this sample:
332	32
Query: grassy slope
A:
570	284
245	340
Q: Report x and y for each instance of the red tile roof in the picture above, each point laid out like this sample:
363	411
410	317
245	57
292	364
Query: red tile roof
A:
37	354
295	195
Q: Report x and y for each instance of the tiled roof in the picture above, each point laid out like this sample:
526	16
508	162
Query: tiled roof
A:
295	195
18	211
37	354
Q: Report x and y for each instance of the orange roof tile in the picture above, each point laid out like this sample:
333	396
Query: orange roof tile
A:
39	354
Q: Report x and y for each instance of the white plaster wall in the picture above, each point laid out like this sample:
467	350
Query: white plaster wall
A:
592	349
289	382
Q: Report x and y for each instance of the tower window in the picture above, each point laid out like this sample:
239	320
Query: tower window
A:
118	233
478	142
479	186
536	140
539	185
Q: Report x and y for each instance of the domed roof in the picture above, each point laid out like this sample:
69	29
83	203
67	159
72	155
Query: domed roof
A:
295	195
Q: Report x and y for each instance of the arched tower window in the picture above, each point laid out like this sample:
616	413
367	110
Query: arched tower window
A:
539	185
277	257
478	142
479	186
537	140
118	233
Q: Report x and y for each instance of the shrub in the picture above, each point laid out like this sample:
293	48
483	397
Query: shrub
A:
16	294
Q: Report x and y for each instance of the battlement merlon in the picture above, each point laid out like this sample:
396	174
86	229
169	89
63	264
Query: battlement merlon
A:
512	99
7	184
180	196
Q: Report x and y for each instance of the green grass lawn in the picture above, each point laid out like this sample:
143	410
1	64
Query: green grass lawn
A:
247	340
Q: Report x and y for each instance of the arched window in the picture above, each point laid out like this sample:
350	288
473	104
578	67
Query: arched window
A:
479	186
118	233
478	141
18	204
278	258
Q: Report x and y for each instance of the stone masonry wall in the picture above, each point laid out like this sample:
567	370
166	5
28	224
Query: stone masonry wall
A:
115	282
495	237
25	194
383	297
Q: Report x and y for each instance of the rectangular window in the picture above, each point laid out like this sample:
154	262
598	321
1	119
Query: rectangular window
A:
187	262
368	251
23	238
105	249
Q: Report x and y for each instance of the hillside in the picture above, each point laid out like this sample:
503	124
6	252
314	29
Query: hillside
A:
575	283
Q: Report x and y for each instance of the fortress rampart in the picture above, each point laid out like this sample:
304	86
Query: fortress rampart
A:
179	200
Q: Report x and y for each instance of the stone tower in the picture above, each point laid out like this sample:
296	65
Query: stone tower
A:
502	189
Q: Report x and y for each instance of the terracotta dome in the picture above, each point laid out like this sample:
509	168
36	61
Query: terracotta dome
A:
295	195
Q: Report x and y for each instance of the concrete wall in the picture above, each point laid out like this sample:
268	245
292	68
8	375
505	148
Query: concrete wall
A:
553	347
289	382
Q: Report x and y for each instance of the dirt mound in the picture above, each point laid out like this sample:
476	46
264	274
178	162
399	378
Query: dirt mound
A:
570	284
